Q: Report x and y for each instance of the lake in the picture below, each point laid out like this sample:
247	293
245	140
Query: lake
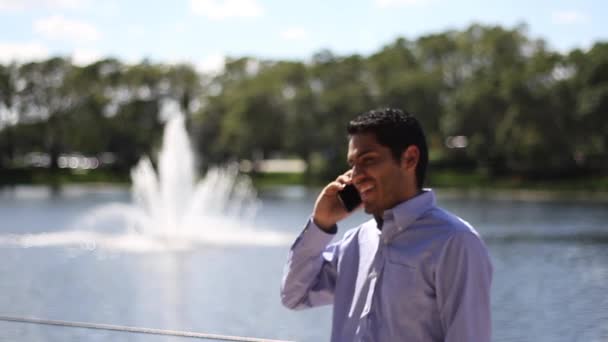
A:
550	258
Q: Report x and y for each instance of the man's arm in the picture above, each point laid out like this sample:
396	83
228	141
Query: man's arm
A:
310	274
464	279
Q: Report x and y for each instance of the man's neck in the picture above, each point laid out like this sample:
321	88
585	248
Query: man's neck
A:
379	221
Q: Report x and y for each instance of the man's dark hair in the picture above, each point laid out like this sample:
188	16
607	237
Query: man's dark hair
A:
396	130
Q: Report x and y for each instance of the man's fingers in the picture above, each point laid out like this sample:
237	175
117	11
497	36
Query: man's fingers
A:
345	178
333	187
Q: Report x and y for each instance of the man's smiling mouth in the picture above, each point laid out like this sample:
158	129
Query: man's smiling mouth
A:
366	190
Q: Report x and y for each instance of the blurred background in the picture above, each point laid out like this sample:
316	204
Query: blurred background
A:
109	215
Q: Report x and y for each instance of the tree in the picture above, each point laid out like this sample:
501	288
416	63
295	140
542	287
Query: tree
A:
590	77
490	63
45	97
7	115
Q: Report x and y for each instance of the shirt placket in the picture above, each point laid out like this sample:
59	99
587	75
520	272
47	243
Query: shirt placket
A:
372	279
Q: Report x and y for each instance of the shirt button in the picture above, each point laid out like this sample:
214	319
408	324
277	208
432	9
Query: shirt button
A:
386	241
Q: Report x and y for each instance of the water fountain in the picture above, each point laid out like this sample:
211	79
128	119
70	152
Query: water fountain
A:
90	268
170	209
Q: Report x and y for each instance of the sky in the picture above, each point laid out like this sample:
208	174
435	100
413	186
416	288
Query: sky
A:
204	32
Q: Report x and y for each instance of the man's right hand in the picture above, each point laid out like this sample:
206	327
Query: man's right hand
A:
328	207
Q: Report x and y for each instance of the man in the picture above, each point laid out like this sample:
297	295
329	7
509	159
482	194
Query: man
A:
413	273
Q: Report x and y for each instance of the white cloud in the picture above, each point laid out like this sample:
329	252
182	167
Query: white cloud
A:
569	17
294	33
21	5
84	57
22	52
222	9
136	31
131	58
180	28
58	27
213	63
399	3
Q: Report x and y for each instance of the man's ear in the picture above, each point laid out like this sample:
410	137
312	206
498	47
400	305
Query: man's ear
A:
410	157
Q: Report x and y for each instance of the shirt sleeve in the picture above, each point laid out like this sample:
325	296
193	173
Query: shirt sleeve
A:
310	274
464	277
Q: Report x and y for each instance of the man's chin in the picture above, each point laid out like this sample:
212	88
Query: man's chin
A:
369	208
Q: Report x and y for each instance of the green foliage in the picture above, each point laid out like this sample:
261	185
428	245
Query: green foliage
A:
525	110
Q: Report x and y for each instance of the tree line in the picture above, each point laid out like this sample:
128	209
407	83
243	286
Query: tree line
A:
491	99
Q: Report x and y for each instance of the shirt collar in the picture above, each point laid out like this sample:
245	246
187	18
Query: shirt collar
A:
379	221
405	213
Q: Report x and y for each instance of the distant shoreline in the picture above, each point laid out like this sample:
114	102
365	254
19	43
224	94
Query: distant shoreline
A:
447	184
525	194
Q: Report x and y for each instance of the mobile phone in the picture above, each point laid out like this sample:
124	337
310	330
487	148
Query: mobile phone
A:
349	196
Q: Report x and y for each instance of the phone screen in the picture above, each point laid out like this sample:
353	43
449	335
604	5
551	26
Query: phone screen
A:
350	197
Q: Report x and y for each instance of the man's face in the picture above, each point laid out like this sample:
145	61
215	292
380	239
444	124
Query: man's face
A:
381	180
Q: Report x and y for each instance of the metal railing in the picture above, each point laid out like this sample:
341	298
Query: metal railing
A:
138	330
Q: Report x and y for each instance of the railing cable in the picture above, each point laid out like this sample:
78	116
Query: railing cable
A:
138	330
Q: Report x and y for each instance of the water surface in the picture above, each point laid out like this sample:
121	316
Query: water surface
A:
550	282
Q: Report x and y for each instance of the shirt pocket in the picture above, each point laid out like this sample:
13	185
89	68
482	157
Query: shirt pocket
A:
400	291
398	272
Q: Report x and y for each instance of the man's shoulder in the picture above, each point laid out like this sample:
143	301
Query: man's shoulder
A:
447	222
354	232
458	233
363	227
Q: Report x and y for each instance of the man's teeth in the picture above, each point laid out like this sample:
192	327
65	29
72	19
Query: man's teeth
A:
367	188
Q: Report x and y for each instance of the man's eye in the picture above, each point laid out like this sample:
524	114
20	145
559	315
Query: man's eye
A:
368	161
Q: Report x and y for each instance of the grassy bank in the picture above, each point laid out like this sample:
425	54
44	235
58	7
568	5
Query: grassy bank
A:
61	177
436	179
262	180
459	179
465	180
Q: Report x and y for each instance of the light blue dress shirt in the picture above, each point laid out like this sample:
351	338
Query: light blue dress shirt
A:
425	276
